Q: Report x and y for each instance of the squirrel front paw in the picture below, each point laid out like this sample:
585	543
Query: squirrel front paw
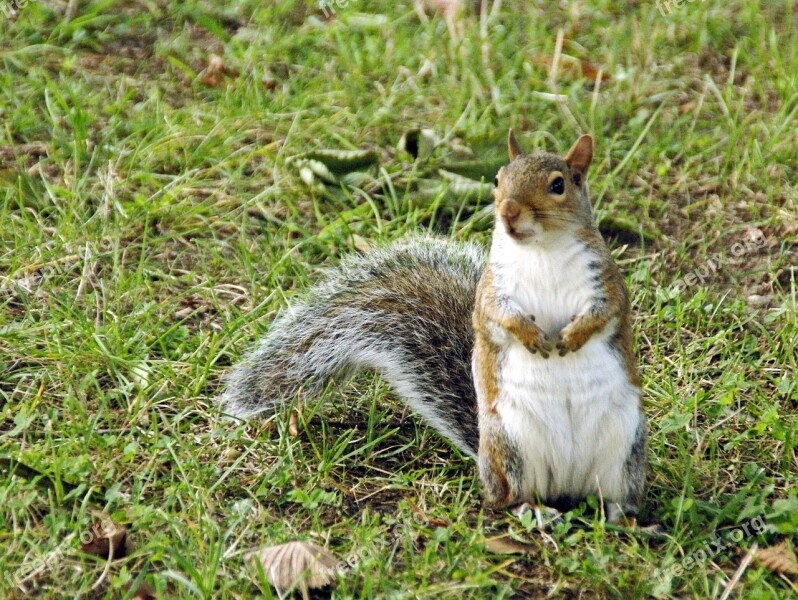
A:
572	337
536	340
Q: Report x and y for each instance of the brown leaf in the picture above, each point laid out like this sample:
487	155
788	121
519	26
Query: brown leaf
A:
592	72
569	66
686	107
293	427
297	564
425	518
779	559
105	537
360	243
654	529
214	71
506	545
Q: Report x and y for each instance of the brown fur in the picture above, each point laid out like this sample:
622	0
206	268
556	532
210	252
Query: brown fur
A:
485	372
488	312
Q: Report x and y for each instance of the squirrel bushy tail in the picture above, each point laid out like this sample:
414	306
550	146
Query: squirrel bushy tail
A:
403	310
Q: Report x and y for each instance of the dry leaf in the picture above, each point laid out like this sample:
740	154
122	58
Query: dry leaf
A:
572	67
105	537
778	559
655	530
686	107
419	143
293	428
506	545
360	243
216	70
592	72
297	565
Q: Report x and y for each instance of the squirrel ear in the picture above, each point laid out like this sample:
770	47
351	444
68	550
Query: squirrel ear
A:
513	147
579	157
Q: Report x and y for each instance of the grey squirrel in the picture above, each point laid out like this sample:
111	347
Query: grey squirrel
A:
523	359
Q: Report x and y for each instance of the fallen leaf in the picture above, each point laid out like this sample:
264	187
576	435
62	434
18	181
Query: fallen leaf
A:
686	107
655	530
105	537
625	229
419	143
758	300
570	66
592	72
297	565
360	243
506	545
216	70
343	161
779	559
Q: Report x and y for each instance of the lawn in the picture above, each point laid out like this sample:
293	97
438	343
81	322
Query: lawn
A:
171	173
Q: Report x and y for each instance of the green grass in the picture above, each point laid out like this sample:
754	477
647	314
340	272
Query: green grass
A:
152	226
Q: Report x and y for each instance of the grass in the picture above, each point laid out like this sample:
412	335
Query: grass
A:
152	225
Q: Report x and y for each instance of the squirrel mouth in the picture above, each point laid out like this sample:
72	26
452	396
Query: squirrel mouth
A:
518	235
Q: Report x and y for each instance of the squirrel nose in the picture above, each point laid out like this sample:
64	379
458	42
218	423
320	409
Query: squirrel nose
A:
510	211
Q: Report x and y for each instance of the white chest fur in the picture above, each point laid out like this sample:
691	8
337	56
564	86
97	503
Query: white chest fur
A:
552	282
573	418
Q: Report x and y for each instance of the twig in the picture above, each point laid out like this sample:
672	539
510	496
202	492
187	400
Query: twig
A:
739	572
107	568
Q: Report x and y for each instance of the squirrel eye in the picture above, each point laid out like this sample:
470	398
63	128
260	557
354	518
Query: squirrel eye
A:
496	181
557	186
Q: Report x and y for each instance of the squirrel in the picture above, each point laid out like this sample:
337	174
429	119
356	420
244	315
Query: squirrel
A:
557	387
523	358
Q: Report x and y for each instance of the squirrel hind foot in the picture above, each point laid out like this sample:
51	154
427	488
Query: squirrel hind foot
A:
618	514
545	516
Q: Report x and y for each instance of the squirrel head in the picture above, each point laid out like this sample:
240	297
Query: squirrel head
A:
543	193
